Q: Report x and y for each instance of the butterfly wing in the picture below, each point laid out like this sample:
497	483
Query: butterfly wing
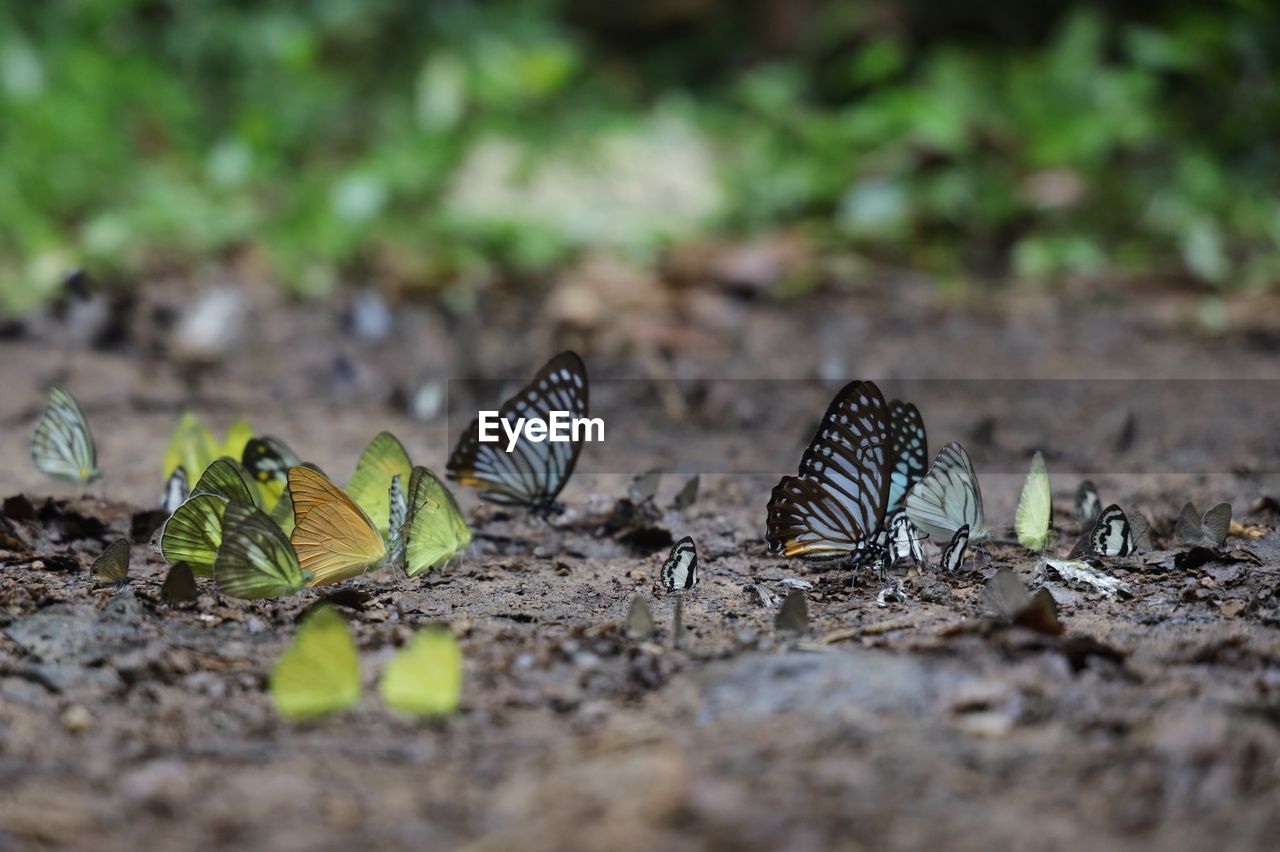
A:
192	446
1140	534
193	533
948	497
953	554
688	494
837	503
1216	523
333	537
1111	535
112	567
532	474
226	478
908	451
435	530
384	458
1035	506
238	437
320	672
680	570
176	490
63	445
1188	531
1088	504
425	679
179	586
255	559
267	460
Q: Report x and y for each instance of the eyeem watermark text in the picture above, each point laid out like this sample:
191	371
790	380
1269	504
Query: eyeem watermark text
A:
561	428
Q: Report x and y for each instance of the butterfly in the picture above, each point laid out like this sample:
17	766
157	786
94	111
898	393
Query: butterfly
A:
320	671
953	553
1111	535
425	678
226	478
639	625
1209	530
680	571
793	615
112	567
948	497
904	541
194	446
434	530
1035	508
268	459
334	538
1006	596
255	559
531	474
176	490
688	493
1088	505
179	586
63	445
836	505
193	533
1140	534
908	451
383	459
644	487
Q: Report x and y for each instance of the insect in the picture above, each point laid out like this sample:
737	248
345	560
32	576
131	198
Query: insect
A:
688	493
226	478
953	553
320	671
434	530
1111	535
194	446
112	567
644	486
948	497
680	570
268	459
835	507
384	459
1209	530
1140	534
1035	508
179	586
531	474
176	490
1007	597
333	537
904	540
908	451
193	533
255	559
425	677
63	445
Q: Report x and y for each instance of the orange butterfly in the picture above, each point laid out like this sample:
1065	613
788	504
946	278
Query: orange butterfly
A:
334	538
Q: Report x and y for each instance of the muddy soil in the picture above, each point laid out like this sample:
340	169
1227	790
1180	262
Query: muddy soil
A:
1153	721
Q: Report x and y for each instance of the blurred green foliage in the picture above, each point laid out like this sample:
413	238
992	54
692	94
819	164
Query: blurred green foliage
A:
428	142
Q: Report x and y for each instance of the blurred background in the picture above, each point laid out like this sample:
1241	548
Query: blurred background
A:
434	146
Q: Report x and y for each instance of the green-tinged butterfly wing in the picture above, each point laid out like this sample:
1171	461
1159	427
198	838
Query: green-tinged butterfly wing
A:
435	530
193	534
228	479
112	567
63	445
192	446
425	679
948	497
238	437
384	458
179	586
268	459
255	559
320	672
282	513
1035	507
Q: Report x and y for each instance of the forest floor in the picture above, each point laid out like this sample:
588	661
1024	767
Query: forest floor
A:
1154	721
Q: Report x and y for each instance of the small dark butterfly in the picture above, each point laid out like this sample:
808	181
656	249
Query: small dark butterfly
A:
1209	530
953	554
1007	597
180	586
680	571
793	616
112	567
1111	535
688	494
644	486
532	474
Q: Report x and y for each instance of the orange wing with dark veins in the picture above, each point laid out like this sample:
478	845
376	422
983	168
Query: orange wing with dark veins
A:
333	537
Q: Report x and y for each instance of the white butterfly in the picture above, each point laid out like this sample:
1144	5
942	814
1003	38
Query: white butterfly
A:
176	490
1111	535
680	571
63	445
953	555
948	498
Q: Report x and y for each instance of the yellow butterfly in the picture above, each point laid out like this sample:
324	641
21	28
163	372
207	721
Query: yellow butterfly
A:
193	445
384	458
320	672
425	679
334	538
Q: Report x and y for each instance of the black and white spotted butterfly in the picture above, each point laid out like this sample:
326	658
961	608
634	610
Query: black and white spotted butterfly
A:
176	490
531	474
1111	535
835	507
953	553
1208	530
1088	504
680	571
905	542
908	451
63	445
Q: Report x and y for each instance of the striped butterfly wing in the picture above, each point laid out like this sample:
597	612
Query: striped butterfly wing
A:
383	459
227	478
532	474
333	537
837	502
948	497
908	451
63	445
953	554
193	533
1111	534
255	559
680	571
435	530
